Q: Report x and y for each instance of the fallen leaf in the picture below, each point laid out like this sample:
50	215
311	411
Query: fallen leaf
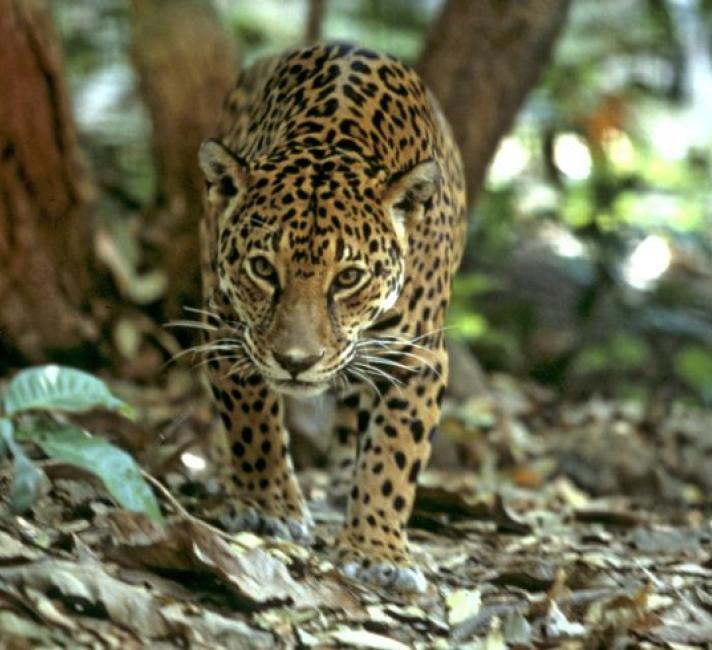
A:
20	633
462	604
557	625
413	614
13	549
255	576
365	639
517	630
622	518
620	612
506	522
456	501
47	610
88	586
199	625
531	575
667	540
483	620
495	639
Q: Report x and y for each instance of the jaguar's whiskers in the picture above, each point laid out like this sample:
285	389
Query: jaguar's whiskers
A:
230	347
378	358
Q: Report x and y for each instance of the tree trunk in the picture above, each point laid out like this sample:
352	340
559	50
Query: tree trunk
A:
45	234
481	59
186	63
315	19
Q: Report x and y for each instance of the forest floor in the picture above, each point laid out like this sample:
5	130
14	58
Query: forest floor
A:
542	524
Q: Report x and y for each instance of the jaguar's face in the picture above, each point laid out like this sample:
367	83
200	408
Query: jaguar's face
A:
311	253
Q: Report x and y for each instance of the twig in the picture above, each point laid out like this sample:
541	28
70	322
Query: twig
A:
182	511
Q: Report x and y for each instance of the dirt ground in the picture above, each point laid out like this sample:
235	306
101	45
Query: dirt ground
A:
541	524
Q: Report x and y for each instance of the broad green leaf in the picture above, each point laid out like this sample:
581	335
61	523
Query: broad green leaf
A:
7	437
28	482
118	471
6	429
57	388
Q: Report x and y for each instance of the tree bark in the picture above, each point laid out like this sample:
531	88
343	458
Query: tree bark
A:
186	63
481	59
315	19
45	231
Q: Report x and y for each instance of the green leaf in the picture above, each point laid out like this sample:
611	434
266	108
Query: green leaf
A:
28	482
6	429
592	359
629	352
693	364
57	388
118	471
7	437
474	283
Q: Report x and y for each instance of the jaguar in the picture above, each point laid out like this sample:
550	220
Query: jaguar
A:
334	220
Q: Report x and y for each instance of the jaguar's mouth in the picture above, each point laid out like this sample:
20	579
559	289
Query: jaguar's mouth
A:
297	388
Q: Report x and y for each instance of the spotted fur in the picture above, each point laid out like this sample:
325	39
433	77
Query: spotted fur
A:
334	222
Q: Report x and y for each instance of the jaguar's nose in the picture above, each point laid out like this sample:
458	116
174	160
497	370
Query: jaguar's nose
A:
295	363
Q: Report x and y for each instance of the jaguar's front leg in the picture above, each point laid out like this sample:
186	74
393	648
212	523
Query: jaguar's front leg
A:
373	545
262	490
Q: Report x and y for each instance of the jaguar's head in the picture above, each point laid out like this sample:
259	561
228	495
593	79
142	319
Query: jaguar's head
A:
311	252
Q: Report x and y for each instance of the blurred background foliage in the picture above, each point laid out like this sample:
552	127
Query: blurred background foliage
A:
588	261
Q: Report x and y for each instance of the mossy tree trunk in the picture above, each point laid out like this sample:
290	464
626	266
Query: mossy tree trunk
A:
45	233
186	63
481	59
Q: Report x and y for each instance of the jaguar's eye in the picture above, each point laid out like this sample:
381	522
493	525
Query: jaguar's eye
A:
263	269
348	278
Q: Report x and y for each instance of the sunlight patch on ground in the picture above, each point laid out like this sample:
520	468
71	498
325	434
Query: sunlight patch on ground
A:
193	461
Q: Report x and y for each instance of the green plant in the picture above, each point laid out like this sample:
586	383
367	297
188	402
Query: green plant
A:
30	411
693	364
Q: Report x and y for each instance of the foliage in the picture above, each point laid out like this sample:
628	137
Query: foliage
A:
51	388
694	365
606	172
31	407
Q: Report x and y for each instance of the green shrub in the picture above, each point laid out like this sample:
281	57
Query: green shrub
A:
29	410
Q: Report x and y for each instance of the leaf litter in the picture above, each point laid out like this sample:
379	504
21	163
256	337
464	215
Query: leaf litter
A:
541	524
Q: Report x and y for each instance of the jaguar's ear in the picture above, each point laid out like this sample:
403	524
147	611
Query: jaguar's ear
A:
409	192
225	173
